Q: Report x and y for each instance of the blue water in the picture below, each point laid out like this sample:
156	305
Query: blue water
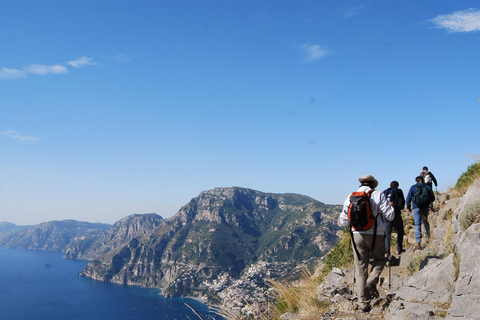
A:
39	285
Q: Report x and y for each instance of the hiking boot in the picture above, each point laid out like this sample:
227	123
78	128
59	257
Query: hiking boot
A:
417	246
371	291
366	309
399	251
374	292
394	262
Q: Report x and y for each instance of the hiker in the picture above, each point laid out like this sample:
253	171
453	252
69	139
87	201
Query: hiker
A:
419	197
367	241
395	198
428	177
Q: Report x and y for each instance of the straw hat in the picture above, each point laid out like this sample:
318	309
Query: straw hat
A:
369	178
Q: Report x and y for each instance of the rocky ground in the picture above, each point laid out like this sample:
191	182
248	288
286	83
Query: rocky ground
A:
440	281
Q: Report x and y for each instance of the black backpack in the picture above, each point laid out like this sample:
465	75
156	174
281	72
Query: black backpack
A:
421	196
399	202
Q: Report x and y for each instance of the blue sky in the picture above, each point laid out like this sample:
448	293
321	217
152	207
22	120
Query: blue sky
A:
110	108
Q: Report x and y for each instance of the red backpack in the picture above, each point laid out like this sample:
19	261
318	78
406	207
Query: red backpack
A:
360	212
361	217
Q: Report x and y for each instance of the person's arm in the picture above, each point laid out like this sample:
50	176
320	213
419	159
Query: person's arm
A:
343	219
409	199
433	179
432	195
385	208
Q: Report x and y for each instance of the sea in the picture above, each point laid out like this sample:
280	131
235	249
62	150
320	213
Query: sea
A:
41	285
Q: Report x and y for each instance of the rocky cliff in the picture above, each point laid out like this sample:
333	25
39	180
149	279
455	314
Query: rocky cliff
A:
219	235
124	230
448	283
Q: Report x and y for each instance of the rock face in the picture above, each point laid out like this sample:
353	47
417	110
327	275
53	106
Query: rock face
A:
124	230
217	236
465	301
467	289
448	283
50	236
426	293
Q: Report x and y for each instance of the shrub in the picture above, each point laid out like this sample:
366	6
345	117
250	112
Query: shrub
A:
470	215
419	260
467	178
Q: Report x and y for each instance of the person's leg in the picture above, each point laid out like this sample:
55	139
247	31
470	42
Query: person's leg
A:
400	230
388	235
426	224
361	268
379	261
418	222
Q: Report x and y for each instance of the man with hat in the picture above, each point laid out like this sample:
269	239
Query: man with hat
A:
369	242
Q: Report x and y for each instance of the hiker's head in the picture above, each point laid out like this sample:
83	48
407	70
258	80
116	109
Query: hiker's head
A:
425	169
368	180
394	184
419	179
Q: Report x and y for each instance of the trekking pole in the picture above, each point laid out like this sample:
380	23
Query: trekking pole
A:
389	272
353	285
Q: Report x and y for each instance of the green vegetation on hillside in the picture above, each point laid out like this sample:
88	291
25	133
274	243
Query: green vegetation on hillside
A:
467	178
340	256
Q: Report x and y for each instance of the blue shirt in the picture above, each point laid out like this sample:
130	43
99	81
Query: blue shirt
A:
411	193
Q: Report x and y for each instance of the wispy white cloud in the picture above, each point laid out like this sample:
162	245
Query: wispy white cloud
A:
42	69
7	73
13	134
121	58
83	61
350	11
459	21
315	52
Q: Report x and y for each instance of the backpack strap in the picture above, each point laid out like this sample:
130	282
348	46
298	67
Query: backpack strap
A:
359	257
374	237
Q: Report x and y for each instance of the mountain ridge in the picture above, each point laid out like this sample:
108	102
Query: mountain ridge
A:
221	230
223	233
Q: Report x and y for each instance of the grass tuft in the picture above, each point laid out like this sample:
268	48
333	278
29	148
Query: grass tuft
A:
416	261
470	215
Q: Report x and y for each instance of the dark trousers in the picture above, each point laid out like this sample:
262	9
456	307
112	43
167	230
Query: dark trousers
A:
397	223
